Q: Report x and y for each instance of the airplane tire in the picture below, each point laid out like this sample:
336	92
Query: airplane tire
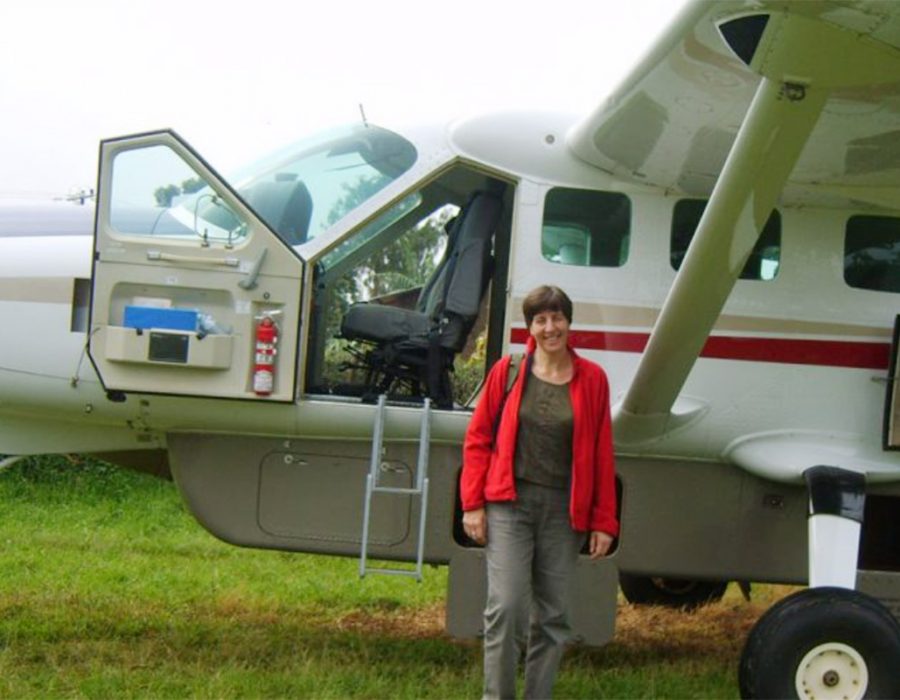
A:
670	592
824	643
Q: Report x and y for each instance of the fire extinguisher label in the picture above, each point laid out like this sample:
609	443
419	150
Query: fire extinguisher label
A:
263	382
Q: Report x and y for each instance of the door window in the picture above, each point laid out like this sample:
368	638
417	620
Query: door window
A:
155	193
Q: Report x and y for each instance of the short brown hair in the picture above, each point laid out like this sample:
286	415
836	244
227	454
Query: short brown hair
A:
546	298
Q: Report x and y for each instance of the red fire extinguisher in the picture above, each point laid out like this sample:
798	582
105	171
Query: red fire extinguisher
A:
264	366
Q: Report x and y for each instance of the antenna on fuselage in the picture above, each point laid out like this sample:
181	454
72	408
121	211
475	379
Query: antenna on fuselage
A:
362	113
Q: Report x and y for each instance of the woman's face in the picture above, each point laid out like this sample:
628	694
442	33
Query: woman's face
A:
550	330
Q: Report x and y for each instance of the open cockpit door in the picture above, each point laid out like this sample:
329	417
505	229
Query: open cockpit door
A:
185	274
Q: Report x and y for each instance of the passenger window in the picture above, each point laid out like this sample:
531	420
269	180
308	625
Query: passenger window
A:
586	227
765	258
155	193
872	253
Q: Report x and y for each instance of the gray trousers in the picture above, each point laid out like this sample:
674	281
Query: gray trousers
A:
531	556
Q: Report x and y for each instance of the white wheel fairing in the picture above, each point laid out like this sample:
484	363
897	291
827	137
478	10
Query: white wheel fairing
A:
832	671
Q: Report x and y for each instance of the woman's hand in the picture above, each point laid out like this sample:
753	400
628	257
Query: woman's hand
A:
475	525
600	544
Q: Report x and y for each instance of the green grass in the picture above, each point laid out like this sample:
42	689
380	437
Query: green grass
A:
108	589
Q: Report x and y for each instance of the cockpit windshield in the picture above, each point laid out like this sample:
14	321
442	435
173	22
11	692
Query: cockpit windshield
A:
299	191
303	189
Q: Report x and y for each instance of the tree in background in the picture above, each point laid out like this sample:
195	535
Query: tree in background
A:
193	184
165	195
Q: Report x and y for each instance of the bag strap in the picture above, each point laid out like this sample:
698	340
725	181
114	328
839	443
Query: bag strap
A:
512	372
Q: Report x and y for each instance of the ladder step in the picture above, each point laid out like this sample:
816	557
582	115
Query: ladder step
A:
391	489
395	572
420	490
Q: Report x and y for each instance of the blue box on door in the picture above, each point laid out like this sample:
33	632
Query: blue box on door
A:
152	317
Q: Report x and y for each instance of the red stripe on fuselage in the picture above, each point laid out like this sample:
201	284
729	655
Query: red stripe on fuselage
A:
829	353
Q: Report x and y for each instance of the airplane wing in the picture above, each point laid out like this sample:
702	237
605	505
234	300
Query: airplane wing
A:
747	103
673	120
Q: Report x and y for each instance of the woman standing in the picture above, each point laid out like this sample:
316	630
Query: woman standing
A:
537	476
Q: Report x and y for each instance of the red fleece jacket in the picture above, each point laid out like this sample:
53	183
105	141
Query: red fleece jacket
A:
488	473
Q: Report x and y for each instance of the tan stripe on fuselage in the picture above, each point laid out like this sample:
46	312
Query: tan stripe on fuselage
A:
58	290
44	290
643	317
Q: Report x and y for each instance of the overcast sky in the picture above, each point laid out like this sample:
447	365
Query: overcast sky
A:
237	79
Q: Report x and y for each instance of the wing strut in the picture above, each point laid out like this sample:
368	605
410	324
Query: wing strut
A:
800	63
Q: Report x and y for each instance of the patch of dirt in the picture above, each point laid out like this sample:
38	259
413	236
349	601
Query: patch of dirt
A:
714	630
413	623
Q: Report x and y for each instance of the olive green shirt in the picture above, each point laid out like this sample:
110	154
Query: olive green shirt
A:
544	440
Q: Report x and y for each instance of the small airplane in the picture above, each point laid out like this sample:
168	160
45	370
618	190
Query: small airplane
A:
300	345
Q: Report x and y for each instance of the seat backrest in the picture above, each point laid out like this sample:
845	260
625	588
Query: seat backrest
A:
454	299
470	268
428	298
285	205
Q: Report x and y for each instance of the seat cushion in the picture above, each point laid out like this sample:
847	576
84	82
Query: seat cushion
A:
380	323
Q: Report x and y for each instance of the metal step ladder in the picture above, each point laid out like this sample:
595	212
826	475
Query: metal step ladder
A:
420	490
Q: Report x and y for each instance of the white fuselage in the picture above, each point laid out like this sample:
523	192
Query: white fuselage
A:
776	389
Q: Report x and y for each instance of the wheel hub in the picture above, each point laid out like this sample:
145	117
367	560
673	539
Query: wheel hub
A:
831	678
832	671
